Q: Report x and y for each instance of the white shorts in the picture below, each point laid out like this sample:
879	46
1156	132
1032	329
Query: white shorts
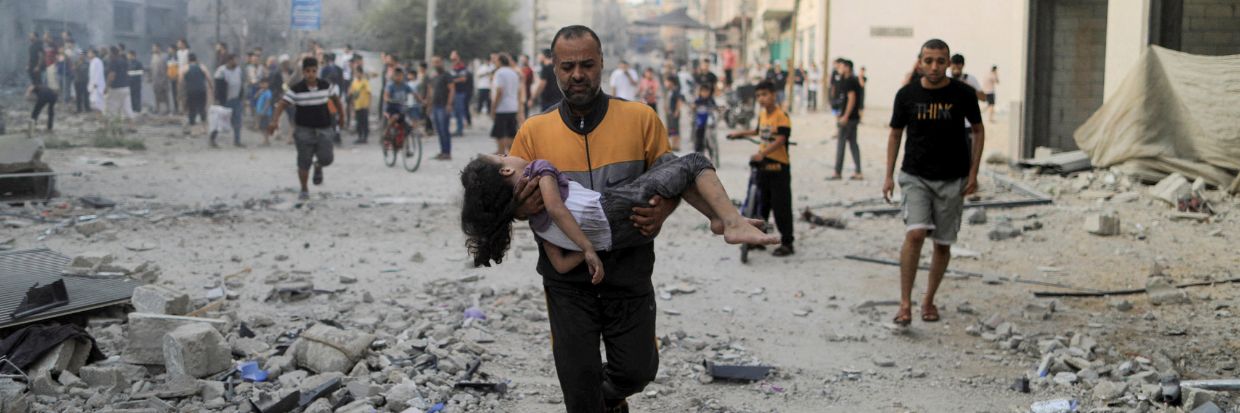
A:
117	103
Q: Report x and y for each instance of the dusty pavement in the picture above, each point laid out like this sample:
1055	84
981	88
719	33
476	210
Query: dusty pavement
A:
385	244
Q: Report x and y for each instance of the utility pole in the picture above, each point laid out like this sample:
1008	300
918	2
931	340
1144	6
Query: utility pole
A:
788	88
430	30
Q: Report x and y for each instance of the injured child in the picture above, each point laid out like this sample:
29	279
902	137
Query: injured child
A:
577	221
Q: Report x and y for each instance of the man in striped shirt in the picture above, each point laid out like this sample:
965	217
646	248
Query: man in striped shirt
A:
313	130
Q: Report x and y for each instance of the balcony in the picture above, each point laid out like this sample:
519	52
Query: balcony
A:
776	9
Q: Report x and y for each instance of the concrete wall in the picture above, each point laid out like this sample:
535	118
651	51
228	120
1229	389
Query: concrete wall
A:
1211	27
1073	58
986	32
1126	40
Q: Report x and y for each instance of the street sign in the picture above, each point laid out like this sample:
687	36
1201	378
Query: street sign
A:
306	14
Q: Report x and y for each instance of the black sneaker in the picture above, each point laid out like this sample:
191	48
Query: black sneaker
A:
784	251
318	175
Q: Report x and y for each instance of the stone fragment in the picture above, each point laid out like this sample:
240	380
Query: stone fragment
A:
1162	291
91	228
1109	391
110	378
324	348
1193	397
402	396
1065	378
157	299
69	355
1104	224
976	216
196	350
145	340
1003	230
1171	188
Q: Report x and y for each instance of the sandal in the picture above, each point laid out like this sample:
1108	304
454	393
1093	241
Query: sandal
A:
903	318
930	313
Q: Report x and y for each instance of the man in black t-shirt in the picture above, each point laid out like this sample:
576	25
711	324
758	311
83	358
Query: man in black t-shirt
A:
849	89
939	170
704	77
548	91
313	130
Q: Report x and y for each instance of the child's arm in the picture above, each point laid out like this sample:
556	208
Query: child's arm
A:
563	261
564	220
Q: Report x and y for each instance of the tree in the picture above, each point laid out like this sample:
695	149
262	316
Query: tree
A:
474	28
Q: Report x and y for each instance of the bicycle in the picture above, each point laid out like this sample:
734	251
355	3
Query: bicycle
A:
752	206
710	136
400	139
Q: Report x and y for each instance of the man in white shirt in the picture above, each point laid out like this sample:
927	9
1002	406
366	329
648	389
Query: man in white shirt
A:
624	82
506	105
957	72
483	78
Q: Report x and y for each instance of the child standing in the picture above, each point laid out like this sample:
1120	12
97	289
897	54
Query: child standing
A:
773	163
262	108
359	97
703	106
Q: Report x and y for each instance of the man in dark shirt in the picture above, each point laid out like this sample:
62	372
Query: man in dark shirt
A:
850	116
313	130
117	101
334	74
43	97
34	67
548	91
135	81
704	77
939	170
442	91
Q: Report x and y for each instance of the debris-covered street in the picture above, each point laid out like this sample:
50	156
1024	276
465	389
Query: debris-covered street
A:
367	287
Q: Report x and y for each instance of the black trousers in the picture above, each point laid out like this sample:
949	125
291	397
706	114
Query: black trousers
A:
196	103
579	319
362	116
135	95
81	96
484	101
776	188
51	111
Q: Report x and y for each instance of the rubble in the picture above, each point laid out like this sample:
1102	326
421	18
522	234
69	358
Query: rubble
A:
158	299
1171	188
195	350
1104	224
323	348
145	339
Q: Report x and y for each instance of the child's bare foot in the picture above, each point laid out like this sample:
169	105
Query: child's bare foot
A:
717	226
746	231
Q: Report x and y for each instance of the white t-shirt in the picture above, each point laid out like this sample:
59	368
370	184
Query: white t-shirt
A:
233	77
988	87
686	83
815	79
509	81
587	209
483	75
622	87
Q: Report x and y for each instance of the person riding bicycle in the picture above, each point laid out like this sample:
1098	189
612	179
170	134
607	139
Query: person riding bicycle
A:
702	108
395	96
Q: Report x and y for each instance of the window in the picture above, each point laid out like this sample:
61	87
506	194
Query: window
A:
158	22
123	17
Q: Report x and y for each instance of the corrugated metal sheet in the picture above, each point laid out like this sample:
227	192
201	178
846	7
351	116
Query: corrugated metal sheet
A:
20	270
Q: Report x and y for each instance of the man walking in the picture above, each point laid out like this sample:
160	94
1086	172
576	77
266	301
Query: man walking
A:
506	105
229	95
461	85
135	81
484	72
159	79
313	130
81	81
627	139
118	103
850	116
624	82
442	90
196	88
548	91
939	170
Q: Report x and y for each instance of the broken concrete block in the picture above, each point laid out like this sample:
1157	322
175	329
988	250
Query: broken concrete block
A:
70	380
976	216
402	396
69	355
110	378
1171	188
1108	391
41	384
13	397
1065	378
92	259
210	389
1208	407
275	366
1105	224
91	228
1161	291
1194	397
1003	230
158	299
145	339
324	348
196	350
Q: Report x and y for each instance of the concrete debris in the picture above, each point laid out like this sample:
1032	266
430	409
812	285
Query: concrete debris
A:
1003	230
1162	291
109	378
1171	188
323	348
1105	224
196	350
145	341
976	216
69	355
157	299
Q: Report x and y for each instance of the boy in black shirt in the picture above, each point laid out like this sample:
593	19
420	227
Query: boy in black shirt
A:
939	169
849	89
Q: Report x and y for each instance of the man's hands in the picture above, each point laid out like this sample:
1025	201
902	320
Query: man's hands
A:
595	265
889	187
757	157
649	220
970	186
529	200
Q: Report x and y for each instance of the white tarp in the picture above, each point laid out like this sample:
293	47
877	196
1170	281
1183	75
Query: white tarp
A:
1174	112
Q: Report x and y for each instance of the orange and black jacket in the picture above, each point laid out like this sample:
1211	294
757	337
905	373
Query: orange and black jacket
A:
615	143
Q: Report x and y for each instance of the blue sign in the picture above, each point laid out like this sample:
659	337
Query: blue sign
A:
306	14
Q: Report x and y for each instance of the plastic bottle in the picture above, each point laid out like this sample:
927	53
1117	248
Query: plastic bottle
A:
1054	406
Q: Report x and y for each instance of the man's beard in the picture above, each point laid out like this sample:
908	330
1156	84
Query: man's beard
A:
578	99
